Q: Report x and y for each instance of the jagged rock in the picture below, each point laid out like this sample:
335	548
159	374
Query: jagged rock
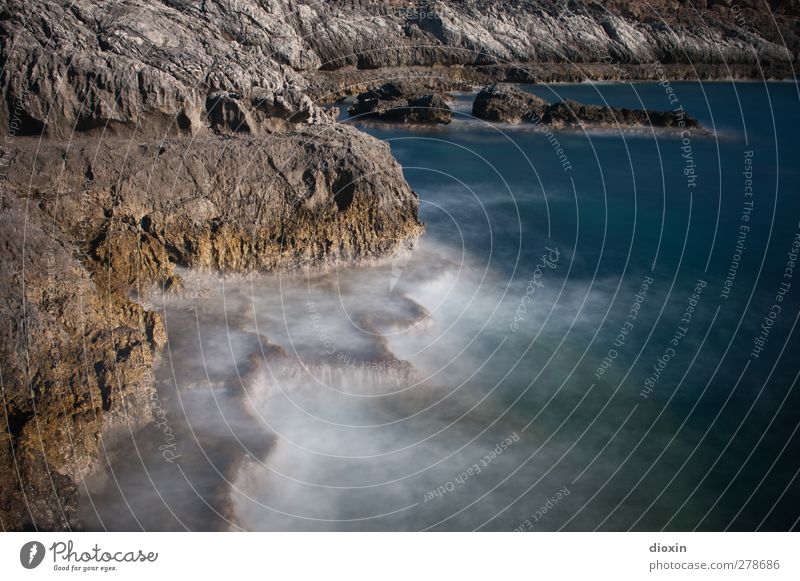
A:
318	196
76	359
509	104
430	109
570	113
506	103
333	86
373	34
136	66
86	222
481	32
402	103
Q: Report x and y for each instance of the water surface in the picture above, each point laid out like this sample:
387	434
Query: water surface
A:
603	344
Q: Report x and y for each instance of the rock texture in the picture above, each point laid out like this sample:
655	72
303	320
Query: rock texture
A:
86	223
74	357
240	65
378	34
508	104
396	102
156	68
319	195
570	113
505	103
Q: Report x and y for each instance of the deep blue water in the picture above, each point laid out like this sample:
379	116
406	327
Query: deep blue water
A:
582	357
715	444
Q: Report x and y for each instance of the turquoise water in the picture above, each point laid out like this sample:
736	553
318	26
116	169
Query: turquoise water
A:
568	348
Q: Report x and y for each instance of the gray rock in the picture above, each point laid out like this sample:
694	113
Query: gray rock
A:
401	103
509	104
148	68
136	66
506	103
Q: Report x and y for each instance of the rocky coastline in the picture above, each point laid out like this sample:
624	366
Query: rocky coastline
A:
140	137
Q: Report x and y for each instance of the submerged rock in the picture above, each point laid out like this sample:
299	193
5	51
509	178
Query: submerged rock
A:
400	103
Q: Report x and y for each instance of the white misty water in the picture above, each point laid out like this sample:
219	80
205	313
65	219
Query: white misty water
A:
394	397
363	398
376	403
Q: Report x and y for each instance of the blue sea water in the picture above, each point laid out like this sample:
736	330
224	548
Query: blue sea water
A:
601	326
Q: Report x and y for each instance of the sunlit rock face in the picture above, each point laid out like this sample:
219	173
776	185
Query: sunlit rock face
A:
90	223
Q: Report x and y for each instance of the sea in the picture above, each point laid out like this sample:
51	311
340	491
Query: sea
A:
597	331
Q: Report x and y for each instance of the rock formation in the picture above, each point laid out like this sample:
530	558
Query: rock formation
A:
512	105
75	359
507	104
395	102
86	223
134	65
569	113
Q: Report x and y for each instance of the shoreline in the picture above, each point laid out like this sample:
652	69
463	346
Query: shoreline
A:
107	276
332	86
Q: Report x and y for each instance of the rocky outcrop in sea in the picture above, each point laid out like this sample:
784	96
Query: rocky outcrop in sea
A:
509	104
399	103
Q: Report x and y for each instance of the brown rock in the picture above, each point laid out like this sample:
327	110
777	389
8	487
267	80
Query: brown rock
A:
85	224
